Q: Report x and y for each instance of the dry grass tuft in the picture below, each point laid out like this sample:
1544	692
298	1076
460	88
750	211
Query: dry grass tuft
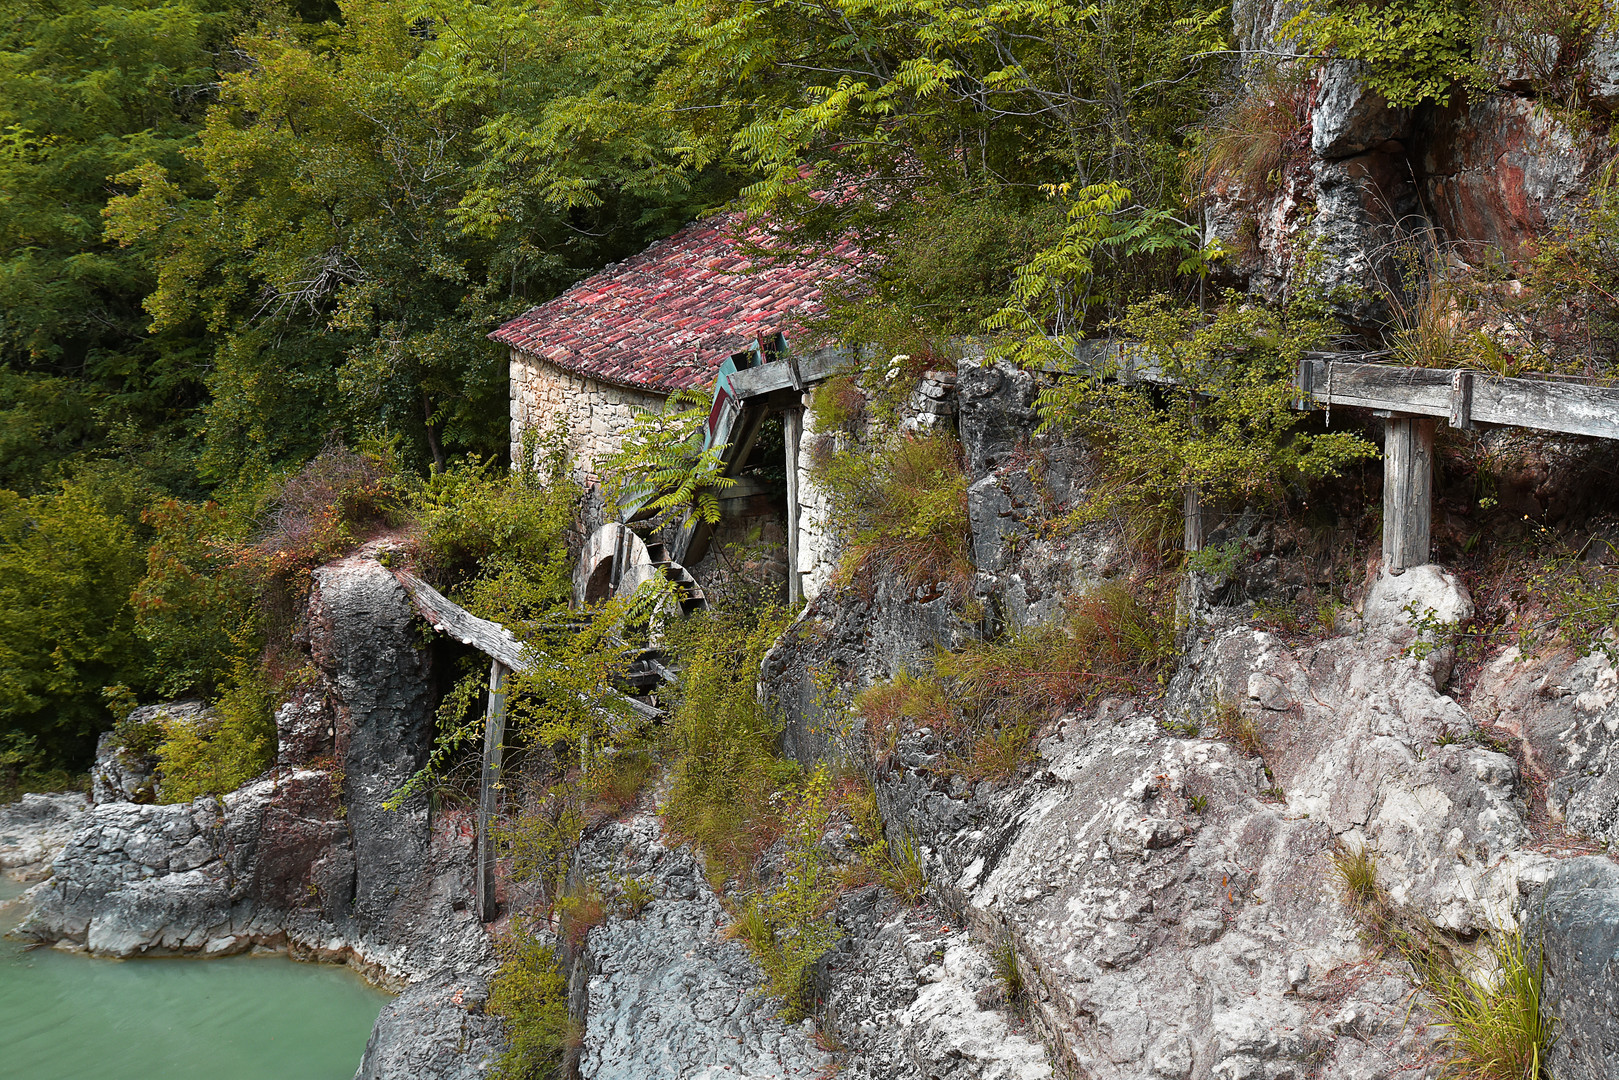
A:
1356	871
1250	142
1497	1025
1233	724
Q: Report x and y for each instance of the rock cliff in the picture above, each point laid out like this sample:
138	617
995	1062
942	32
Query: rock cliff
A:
307	857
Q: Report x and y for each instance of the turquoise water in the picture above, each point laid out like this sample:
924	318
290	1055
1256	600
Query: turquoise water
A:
65	1016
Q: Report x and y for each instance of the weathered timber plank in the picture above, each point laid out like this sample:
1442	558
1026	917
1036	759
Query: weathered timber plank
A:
792	431
779	375
489	638
1550	406
1419	391
445	616
1407	491
1544	404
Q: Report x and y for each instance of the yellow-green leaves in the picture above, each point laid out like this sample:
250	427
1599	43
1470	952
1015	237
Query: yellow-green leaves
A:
1410	51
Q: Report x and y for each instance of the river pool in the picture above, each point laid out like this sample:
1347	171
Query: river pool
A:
64	1016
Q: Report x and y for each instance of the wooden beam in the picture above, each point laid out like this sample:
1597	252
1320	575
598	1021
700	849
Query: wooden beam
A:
792	430
1407	491
778	375
445	616
489	638
494	739
1544	404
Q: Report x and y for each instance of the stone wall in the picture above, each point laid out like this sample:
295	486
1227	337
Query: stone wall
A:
818	546
591	415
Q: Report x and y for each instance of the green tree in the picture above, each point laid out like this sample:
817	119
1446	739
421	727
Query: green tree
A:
67	565
385	194
87	91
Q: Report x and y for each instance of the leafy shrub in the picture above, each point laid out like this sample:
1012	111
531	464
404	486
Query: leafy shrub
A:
196	607
580	911
326	507
211	758
799	905
1411	51
723	740
1112	249
837	404
530	993
905	506
660	463
67	564
1228	427
24	767
498	539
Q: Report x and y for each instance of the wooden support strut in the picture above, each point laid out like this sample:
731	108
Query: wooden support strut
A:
1193	507
1407	491
792	431
494	738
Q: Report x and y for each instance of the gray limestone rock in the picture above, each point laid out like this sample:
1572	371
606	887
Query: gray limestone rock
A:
667	995
35	828
435	1030
1578	918
1349	119
1564	711
995	412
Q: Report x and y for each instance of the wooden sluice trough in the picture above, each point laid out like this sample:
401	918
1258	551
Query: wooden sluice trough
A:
506	655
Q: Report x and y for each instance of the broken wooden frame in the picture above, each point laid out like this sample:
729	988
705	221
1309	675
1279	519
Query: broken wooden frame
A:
506	655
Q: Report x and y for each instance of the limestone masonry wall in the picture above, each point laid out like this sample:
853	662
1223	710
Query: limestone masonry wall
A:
592	415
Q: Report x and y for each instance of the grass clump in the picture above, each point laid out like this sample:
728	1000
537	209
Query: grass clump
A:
905	504
988	699
219	754
1014	991
530	993
1497	1026
1356	870
726	776
1239	728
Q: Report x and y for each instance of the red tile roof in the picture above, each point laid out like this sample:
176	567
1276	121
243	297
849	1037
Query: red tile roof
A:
667	318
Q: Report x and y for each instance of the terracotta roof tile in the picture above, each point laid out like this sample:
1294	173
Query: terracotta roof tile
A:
637	322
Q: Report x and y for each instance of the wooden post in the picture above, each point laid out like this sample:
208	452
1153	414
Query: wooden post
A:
1193	507
494	736
1407	491
792	427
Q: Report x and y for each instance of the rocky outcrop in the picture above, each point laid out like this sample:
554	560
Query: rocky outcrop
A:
912	994
309	857
1170	896
435	1029
1577	919
663	993
35	828
1564	711
127	773
1486	172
